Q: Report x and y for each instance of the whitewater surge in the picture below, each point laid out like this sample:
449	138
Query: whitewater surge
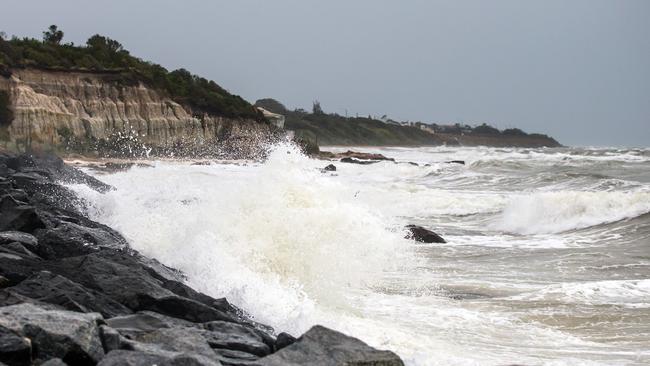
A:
555	212
547	260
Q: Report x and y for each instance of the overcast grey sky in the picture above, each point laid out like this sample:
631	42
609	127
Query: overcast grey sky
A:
578	70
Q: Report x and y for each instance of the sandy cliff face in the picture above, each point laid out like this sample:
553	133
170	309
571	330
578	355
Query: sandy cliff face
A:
49	106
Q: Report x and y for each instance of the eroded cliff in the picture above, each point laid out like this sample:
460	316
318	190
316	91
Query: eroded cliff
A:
54	108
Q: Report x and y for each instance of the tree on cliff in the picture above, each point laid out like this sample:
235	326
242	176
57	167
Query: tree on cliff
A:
53	35
316	108
102	43
271	105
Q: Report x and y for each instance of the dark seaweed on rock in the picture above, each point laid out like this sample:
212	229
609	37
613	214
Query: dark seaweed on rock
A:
72	292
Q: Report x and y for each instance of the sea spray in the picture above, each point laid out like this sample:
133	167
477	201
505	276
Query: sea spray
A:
295	247
256	234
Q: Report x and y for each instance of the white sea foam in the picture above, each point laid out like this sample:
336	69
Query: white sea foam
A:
629	293
554	212
281	230
296	247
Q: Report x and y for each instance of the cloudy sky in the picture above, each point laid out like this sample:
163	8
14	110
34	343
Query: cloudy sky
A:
578	70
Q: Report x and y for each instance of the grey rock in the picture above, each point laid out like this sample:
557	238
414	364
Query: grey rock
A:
54	289
284	340
111	338
326	347
54	362
181	340
18	249
71	336
15	350
236	337
140	322
139	358
17	215
28	240
234	358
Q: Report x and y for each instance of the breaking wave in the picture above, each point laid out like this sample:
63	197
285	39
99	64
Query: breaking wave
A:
554	212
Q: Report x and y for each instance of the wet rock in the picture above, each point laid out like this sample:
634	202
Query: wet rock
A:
181	340
422	235
326	347
69	239
139	322
54	168
111	338
461	162
140	358
73	337
355	161
361	155
237	337
15	350
284	340
19	250
330	168
17	215
234	358
54	289
183	308
54	362
28	240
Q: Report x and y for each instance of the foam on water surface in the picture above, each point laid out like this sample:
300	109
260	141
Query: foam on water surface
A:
294	247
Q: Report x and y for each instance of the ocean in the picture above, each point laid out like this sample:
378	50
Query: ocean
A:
547	260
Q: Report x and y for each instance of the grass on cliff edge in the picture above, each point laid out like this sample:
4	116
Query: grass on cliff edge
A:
104	55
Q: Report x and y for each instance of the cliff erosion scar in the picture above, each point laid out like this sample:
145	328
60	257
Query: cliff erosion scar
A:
63	108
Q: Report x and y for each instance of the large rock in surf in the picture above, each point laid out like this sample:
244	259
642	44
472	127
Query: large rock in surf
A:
422	235
356	161
326	347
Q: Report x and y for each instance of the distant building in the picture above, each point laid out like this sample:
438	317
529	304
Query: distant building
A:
276	119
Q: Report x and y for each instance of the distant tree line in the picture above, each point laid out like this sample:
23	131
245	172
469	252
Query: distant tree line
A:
102	54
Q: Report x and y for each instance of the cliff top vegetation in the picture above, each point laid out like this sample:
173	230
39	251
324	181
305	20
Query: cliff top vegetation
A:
104	55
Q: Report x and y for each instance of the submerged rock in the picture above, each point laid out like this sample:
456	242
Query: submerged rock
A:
330	168
355	161
418	233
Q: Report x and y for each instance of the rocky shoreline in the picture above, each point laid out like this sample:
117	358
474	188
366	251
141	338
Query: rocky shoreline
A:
72	292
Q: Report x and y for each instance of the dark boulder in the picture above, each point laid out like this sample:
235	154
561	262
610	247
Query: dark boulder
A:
422	235
15	350
25	239
18	215
149	358
284	340
237	337
326	347
173	340
54	289
461	162
69	239
330	168
19	250
142	322
356	161
71	336
54	362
